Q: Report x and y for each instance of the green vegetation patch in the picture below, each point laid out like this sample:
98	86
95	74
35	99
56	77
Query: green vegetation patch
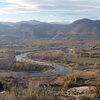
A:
86	60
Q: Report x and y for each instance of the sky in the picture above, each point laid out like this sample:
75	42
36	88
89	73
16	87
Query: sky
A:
49	10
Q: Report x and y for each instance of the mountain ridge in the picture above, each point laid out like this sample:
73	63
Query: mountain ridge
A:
82	28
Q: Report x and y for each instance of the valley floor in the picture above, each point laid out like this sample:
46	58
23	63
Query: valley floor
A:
84	78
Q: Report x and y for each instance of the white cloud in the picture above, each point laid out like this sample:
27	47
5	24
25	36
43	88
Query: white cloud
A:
23	3
17	6
27	6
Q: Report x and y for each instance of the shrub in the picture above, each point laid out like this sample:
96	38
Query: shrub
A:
97	92
69	80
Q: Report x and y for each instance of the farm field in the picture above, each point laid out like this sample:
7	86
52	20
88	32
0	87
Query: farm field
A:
86	60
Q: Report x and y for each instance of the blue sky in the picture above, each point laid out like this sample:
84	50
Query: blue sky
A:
49	10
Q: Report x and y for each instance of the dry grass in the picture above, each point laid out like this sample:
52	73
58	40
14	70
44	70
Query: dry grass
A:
33	92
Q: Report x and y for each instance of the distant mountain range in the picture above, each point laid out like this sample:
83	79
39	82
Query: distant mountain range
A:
83	28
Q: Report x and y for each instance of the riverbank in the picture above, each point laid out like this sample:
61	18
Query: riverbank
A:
47	69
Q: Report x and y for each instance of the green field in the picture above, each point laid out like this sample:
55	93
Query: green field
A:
86	60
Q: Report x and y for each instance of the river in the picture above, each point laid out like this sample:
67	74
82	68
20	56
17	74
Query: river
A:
22	58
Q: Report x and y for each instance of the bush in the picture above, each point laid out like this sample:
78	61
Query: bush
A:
69	80
97	92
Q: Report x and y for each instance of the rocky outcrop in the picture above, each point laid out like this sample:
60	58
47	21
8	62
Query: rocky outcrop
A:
81	91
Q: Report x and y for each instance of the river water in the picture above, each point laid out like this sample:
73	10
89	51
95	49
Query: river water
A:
60	69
